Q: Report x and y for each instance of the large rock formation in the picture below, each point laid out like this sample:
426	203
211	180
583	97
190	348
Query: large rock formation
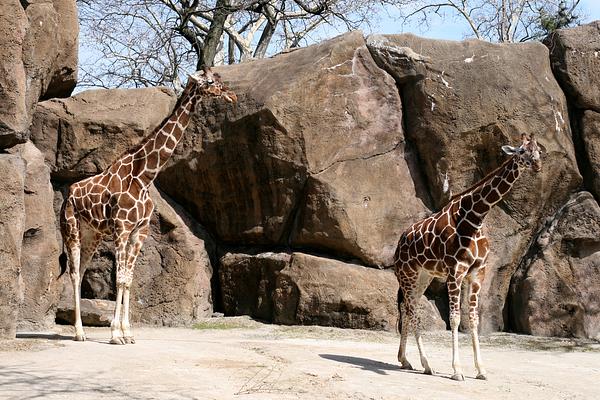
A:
315	159
556	290
40	251
13	108
575	54
247	283
39	59
173	272
575	58
312	156
12	223
82	135
317	291
462	102
302	289
589	134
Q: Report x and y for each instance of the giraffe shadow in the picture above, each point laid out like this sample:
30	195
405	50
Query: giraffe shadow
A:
366	364
54	336
46	336
379	367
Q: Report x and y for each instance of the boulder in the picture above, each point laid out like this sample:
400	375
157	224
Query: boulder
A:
312	156
575	58
247	283
173	282
94	312
39	59
358	208
556	290
172	278
12	223
40	251
40	48
13	80
63	79
317	291
590	138
304	289
83	134
462	102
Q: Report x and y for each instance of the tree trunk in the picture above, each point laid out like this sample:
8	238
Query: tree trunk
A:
265	39
213	37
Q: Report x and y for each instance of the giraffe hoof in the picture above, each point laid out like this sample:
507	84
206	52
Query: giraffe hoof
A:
407	366
79	338
483	377
129	340
458	377
429	371
117	340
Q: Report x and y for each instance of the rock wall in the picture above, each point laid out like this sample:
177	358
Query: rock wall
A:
39	59
556	289
296	196
12	226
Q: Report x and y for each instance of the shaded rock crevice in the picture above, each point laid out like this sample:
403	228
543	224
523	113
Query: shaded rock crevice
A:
554	291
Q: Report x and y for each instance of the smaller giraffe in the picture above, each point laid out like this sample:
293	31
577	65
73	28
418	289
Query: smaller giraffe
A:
116	203
450	245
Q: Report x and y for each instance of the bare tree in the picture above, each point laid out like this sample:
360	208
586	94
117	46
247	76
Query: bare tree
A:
497	20
152	42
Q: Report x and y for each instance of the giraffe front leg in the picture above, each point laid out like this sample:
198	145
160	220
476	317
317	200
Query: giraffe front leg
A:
135	245
125	325
72	241
116	334
454	283
74	262
475	287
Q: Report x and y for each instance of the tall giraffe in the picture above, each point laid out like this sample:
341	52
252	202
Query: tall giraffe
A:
116	204
450	245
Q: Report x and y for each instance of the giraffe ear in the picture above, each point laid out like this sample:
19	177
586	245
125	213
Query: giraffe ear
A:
510	150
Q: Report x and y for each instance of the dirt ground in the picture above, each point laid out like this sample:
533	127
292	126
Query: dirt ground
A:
236	358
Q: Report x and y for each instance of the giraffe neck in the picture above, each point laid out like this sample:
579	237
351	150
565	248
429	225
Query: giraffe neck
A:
477	202
154	151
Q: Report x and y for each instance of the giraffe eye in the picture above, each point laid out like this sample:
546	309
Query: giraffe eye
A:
210	81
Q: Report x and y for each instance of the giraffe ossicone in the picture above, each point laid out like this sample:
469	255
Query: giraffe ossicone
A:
450	245
116	204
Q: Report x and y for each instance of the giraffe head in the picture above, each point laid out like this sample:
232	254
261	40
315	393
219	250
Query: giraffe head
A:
208	83
528	153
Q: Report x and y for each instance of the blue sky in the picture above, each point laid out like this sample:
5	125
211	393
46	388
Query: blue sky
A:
456	29
389	22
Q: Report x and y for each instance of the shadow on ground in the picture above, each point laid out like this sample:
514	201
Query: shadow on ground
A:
366	364
24	382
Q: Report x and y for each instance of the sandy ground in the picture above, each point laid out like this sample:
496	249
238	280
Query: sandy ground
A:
237	358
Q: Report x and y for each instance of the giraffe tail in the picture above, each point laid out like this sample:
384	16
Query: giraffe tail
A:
62	260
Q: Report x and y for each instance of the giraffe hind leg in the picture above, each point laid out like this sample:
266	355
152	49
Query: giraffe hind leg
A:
406	282
422	283
71	237
404	330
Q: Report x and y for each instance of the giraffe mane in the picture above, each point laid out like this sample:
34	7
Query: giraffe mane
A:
141	143
485	178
